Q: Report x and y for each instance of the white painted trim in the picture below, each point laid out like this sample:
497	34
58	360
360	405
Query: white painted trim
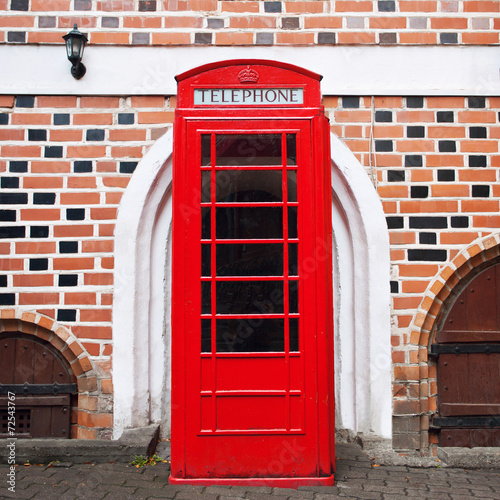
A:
141	312
347	70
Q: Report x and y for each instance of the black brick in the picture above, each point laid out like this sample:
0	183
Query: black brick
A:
7	299
75	214
272	7
203	38
127	167
415	102
395	222
47	22
147	5
126	118
39	232
83	4
394	287
327	38
8	215
396	175
3	280
350	102
386	6
4	118
68	279
480	191
477	161
39	264
448	38
428	222
44	198
215	23
53	152
290	23
428	255
10	182
25	101
387	38
66	315
82	166
459	221
477	102
13	198
477	132
383	116
95	135
427	238
383	145
110	22
16	36
61	119
447	146
415	131
37	135
413	160
12	232
140	38
19	5
446	175
419	191
18	166
445	117
264	39
68	247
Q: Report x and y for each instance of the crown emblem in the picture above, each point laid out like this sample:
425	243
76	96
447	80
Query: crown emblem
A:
248	75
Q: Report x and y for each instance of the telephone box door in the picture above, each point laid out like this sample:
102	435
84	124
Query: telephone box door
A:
250	302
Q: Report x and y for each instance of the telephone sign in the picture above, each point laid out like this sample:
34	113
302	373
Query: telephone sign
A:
252	340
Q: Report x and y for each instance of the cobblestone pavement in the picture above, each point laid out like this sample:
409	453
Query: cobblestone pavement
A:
356	477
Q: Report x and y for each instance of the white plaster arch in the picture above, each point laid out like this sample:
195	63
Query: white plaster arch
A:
141	306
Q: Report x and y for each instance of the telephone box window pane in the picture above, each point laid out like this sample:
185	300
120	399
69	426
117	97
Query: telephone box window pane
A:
206	335
205	186
205	223
206	297
206	153
292	185
292	222
250	335
293	259
206	261
291	149
248	149
241	186
249	297
250	260
293	326
249	222
293	296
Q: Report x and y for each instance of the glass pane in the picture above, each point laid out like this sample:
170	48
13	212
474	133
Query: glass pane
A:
293	296
206	223
292	185
248	149
291	149
206	297
249	186
249	222
206	253
206	157
250	335
205	186
293	259
292	222
250	260
294	334
249	297
206	335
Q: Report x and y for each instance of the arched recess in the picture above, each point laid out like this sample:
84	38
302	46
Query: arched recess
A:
141	306
434	306
66	344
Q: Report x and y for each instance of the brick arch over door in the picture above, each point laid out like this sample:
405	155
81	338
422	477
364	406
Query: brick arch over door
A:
81	369
423	329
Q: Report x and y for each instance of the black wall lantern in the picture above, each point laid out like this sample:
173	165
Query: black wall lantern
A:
75	44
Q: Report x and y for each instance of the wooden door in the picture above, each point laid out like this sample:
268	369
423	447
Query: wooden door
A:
468	364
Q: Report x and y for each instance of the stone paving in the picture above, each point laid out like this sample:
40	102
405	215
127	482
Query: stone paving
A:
357	477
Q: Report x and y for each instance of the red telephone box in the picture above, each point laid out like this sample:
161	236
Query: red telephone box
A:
252	343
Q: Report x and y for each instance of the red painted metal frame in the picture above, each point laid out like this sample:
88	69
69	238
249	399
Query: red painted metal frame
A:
289	456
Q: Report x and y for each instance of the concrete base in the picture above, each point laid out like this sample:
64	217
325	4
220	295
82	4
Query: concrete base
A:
140	441
470	458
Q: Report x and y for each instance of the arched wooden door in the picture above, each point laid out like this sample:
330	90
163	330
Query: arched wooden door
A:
468	366
35	389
